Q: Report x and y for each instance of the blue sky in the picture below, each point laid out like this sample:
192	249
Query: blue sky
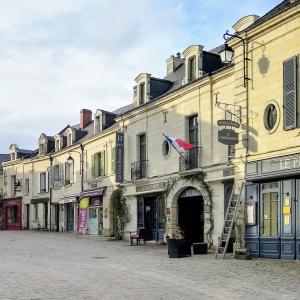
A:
59	56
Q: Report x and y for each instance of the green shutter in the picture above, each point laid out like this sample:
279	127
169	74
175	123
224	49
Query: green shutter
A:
93	166
102	163
113	160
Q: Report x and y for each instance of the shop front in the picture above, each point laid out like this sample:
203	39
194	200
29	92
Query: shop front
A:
68	211
12	214
91	211
273	207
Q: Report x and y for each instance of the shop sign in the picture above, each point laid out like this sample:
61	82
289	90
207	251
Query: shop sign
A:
95	201
228	137
119	157
228	123
83	206
151	187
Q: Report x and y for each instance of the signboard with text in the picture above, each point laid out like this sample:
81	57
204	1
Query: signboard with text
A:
119	157
228	137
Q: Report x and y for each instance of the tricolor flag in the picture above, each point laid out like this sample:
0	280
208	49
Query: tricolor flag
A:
178	144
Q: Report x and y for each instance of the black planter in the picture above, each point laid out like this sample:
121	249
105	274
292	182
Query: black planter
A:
179	248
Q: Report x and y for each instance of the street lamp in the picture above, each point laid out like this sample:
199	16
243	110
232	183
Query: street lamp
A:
70	161
227	53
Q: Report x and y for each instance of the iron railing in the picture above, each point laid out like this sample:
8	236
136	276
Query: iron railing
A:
190	159
138	170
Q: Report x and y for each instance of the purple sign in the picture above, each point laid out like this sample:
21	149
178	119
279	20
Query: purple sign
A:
83	207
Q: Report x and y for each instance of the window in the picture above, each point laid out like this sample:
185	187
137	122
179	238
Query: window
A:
192	68
193	130
166	148
142	147
98	164
270	116
42	149
69	139
290	93
36	211
142	93
56	173
13	184
57	145
270	211
43	185
12	156
26	190
113	160
69	172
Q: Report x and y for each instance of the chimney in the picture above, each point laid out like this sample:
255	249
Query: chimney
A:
85	118
174	62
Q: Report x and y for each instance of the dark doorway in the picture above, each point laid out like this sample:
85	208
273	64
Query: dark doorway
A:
57	217
190	215
28	215
150	217
46	215
70	216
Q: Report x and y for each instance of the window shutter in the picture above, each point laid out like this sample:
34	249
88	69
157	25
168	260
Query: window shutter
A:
61	174
38	183
102	163
290	93
47	182
113	160
93	166
72	173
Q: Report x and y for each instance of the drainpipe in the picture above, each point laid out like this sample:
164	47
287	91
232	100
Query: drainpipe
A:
50	195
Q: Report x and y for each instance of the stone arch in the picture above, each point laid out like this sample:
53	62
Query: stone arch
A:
172	206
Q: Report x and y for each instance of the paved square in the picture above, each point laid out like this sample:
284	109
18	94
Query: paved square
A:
42	265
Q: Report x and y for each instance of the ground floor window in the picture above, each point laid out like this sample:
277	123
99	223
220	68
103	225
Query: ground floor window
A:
270	214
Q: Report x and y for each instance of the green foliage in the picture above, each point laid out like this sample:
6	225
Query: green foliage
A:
120	213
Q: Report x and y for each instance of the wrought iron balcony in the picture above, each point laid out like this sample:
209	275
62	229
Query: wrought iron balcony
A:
190	159
138	170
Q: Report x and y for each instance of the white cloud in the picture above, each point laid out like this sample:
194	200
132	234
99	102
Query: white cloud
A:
58	56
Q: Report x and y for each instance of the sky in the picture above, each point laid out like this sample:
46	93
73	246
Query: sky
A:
60	56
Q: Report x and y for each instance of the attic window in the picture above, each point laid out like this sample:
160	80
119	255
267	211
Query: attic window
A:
12	156
192	68
57	148
142	93
69	139
42	149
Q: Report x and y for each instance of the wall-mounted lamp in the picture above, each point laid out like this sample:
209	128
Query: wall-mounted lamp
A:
227	53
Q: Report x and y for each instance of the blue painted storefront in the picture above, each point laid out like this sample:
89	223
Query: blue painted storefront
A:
272	208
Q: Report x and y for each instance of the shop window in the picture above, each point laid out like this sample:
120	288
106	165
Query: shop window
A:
36	211
12	214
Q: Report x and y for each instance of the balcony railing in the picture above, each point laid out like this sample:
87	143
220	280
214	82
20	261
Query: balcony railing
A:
190	159
138	170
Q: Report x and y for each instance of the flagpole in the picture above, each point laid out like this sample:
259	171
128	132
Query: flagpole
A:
174	147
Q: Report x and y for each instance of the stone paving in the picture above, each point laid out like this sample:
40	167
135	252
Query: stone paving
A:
42	265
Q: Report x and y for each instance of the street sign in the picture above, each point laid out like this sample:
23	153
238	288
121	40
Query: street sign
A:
228	123
228	137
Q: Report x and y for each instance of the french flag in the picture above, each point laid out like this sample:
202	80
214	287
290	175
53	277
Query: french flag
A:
178	144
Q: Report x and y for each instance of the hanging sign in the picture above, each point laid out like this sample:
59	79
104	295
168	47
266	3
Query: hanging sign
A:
228	123
119	157
228	137
83	207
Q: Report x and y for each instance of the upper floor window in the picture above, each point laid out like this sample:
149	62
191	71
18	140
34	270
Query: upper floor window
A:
26	188
193	130
69	172
57	146
12	156
113	160
142	93
13	184
98	164
43	182
192	68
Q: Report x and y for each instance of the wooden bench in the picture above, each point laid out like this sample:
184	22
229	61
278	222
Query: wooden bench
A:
138	236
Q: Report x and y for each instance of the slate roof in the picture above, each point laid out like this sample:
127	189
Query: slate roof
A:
280	8
3	158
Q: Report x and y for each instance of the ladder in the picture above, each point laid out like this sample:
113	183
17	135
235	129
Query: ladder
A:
229	219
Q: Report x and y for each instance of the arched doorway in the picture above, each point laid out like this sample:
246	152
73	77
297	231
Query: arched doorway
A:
191	214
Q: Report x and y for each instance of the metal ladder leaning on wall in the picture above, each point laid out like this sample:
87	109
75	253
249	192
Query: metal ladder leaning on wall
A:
229	220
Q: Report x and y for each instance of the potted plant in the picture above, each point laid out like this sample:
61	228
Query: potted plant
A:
177	246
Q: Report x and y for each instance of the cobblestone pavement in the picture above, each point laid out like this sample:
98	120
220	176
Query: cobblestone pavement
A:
42	265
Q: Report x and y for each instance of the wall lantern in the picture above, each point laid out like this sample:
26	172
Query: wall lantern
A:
227	53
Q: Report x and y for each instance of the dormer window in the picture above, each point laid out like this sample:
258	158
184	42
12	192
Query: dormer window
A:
192	68
57	147
12	156
42	148
69	139
142	93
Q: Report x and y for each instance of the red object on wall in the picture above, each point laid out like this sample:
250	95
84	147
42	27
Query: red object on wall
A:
12	214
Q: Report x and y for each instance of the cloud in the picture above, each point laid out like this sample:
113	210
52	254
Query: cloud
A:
59	56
